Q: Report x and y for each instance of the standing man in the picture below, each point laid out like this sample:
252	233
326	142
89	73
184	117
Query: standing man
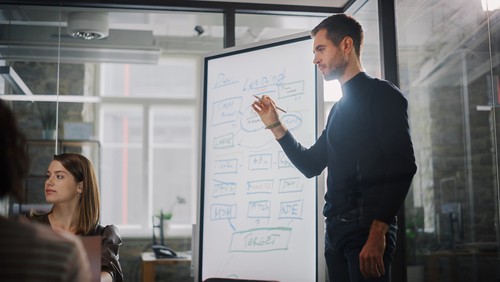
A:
367	150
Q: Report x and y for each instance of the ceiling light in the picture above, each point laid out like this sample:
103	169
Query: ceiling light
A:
88	25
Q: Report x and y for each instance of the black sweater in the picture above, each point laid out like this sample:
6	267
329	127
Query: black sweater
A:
366	147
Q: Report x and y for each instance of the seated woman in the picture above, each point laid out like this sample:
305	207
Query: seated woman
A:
71	187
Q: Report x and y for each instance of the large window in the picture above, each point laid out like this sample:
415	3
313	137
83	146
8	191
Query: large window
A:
149	127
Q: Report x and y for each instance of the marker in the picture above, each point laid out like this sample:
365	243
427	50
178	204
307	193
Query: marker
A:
274	105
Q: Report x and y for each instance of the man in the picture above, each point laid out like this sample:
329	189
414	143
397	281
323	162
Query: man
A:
29	251
367	149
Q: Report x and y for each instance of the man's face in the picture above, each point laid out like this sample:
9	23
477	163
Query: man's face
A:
330	59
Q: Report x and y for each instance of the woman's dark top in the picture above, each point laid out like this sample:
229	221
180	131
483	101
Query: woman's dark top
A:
110	245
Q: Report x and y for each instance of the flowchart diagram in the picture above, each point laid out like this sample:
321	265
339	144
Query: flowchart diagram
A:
257	206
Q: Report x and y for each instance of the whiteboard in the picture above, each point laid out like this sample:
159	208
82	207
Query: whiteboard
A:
258	213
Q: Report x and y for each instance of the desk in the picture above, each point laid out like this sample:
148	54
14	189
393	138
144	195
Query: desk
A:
149	261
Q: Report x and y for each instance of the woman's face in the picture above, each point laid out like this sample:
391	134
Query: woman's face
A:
60	185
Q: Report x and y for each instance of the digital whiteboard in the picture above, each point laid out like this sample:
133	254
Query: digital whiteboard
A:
258	213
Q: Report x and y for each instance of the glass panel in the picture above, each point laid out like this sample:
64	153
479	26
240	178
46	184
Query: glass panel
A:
123	190
24	45
122	194
173	126
254	28
451	76
367	16
172	183
173	155
171	78
122	124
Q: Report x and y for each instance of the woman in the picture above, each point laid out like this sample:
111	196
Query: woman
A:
71	187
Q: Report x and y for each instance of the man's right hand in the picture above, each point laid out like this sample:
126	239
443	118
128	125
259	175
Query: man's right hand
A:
268	113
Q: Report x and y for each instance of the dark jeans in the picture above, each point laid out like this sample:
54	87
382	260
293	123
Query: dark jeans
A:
344	239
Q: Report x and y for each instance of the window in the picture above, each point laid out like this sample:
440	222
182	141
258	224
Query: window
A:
149	130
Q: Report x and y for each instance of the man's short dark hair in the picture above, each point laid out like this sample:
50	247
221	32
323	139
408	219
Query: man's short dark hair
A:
339	26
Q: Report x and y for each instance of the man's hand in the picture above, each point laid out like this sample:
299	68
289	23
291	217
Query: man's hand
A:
371	262
266	109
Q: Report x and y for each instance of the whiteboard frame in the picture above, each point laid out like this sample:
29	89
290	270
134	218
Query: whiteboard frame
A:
197	239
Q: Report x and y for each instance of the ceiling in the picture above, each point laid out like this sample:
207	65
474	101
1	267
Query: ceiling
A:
320	3
31	32
143	34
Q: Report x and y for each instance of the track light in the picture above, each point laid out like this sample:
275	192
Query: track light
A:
88	25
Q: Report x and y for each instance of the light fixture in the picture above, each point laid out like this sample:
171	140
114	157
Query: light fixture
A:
88	25
14	80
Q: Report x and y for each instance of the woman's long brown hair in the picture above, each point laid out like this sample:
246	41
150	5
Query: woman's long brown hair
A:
88	214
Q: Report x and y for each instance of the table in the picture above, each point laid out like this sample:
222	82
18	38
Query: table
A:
149	261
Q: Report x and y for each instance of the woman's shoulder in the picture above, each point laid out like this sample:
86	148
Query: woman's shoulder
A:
108	232
101	229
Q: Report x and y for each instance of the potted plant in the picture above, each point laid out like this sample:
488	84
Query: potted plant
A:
165	217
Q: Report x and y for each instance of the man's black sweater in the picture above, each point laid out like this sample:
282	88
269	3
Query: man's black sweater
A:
366	147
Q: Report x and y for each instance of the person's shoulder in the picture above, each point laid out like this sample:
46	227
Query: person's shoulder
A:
101	229
387	89
379	82
108	232
36	234
111	229
20	240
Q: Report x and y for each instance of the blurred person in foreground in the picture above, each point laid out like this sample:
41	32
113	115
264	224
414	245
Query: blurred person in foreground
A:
31	252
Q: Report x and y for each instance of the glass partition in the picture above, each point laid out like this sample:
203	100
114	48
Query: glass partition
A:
448	55
114	99
128	100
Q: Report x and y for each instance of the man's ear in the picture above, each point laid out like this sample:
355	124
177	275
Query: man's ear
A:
347	44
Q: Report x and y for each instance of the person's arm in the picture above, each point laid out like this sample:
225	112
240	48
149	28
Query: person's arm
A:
393	134
309	161
266	109
391	122
371	263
